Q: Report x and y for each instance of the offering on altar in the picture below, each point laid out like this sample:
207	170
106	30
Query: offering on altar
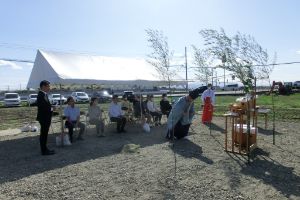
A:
242	104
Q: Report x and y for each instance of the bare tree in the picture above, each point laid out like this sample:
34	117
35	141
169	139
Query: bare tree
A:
243	56
203	72
161	55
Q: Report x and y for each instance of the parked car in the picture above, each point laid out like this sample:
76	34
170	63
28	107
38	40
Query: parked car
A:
289	84
80	96
129	95
55	99
31	99
103	96
231	87
12	99
296	85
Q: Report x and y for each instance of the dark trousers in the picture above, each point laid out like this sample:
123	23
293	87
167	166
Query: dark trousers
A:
179	131
71	126
44	135
121	122
157	116
166	113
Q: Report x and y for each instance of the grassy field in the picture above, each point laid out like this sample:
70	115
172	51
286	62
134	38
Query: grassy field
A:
286	108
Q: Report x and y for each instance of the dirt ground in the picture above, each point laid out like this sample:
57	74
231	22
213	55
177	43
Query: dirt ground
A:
199	168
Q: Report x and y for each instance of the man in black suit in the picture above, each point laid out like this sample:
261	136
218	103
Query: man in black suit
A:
44	116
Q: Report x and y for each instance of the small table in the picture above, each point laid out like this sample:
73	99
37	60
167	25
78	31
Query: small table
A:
232	116
239	143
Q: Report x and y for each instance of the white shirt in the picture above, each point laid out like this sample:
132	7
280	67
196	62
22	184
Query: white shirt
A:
72	113
209	93
115	110
151	106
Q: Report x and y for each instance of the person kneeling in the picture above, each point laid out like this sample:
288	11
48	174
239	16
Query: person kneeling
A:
181	115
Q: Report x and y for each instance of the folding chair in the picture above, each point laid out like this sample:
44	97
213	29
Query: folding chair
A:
87	122
106	119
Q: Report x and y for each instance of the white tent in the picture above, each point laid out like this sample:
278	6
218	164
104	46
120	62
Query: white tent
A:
66	68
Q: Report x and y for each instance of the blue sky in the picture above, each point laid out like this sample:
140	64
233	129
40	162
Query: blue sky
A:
117	28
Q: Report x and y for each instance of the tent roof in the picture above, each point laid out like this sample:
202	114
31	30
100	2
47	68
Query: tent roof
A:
66	68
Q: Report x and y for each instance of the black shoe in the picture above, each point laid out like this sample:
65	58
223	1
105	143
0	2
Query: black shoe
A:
47	153
79	138
170	136
100	135
51	151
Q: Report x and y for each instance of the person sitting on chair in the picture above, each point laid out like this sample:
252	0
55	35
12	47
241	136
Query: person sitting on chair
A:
126	107
115	114
181	116
140	110
72	114
95	116
153	110
165	105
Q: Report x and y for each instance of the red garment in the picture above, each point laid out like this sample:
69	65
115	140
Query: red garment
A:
208	110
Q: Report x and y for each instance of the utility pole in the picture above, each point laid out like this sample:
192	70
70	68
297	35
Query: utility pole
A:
216	79
223	62
212	76
186	72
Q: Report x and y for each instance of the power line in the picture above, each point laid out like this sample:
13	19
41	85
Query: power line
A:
31	47
17	60
286	63
59	50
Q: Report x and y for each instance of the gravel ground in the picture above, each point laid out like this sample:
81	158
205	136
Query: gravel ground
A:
198	168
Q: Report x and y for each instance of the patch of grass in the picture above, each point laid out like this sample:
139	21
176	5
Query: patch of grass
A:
16	117
286	108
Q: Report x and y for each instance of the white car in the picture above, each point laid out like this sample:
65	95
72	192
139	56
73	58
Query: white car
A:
31	99
231	87
12	99
80	97
56	99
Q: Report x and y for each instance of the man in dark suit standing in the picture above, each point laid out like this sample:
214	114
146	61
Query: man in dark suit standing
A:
44	116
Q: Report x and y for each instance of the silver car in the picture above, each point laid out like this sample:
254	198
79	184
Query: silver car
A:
57	99
31	99
12	99
80	97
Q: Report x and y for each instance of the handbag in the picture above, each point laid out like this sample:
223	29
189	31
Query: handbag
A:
62	140
146	128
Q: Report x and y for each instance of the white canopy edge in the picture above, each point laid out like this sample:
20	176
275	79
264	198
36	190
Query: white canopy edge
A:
67	68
